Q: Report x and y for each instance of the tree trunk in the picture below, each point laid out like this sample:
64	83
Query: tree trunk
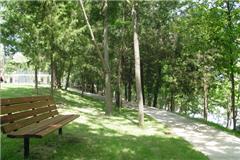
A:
83	87
157	86
36	79
130	83
92	88
108	90
118	89
137	69
105	59
233	100
169	105
118	99
172	102
142	80
58	73
155	97
228	114
149	85
68	74
52	74
126	91
149	99
129	91
205	90
230	27
97	87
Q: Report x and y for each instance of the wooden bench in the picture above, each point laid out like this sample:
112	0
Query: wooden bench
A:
27	117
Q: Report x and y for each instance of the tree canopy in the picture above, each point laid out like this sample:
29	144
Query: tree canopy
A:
188	51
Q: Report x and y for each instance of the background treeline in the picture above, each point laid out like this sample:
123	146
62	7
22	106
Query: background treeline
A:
189	51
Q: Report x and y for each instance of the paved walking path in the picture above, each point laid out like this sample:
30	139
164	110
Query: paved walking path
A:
217	145
96	96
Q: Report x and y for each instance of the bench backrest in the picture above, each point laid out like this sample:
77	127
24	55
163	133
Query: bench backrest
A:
16	113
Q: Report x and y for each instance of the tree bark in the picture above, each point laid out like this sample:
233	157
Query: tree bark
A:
126	91
92	88
118	88
172	102
36	78
149	85
149	99
58	73
205	112
205	90
157	86
130	82
52	74
129	90
228	113
233	100
137	68
83	87
232	81
142	80
118	99
108	90
68	74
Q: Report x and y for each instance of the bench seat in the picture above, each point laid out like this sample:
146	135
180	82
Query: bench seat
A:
43	128
31	117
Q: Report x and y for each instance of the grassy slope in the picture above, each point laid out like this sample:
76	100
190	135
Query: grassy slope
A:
95	136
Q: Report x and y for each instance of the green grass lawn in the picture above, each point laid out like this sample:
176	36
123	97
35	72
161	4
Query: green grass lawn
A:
94	136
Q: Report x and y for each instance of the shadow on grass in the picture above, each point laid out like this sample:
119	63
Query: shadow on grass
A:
94	140
80	141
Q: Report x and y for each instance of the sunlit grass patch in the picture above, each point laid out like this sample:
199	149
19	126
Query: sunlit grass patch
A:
96	136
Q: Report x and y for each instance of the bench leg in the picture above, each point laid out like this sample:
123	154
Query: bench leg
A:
26	147
60	131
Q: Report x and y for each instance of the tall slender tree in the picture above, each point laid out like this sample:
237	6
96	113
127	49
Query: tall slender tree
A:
104	60
137	67
108	90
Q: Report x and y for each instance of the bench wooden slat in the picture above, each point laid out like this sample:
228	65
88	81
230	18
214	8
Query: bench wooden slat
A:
36	127
27	117
29	113
53	127
24	106
9	101
22	123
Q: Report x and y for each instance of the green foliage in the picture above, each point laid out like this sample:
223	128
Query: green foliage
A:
184	46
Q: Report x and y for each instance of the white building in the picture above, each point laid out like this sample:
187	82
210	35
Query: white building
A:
26	78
